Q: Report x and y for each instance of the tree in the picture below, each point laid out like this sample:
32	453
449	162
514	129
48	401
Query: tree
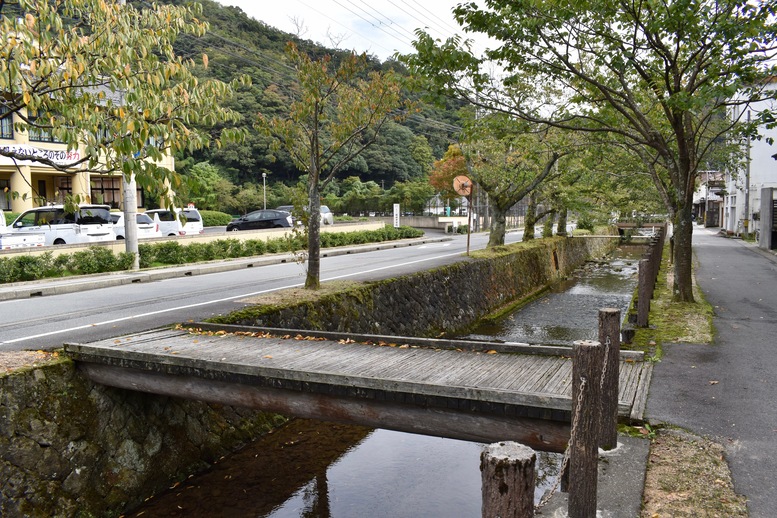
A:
412	196
358	196
334	117
208	188
508	159
104	77
659	75
452	164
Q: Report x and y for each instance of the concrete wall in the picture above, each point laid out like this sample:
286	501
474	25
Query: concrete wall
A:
69	448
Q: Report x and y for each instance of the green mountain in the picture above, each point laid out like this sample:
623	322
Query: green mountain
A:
237	44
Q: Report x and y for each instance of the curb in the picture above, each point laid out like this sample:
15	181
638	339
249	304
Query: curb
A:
45	287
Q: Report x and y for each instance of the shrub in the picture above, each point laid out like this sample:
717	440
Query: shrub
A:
585	223
33	267
97	259
169	252
94	259
214	218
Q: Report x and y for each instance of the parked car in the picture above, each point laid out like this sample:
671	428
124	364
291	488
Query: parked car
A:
147	227
327	218
178	222
88	224
265	218
10	240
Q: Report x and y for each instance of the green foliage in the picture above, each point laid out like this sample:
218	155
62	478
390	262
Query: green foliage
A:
94	259
207	187
97	259
119	59
214	218
10	216
585	223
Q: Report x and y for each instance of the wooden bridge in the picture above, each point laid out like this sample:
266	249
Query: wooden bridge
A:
471	390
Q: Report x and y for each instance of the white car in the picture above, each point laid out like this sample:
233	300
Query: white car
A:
327	218
147	227
88	224
178	222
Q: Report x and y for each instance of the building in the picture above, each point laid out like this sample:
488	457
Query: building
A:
749	205
27	184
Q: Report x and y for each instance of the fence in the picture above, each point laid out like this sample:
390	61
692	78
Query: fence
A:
508	469
649	267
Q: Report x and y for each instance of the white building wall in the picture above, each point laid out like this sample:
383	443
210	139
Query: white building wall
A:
762	173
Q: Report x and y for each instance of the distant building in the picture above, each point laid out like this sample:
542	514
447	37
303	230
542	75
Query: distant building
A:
749	203
36	184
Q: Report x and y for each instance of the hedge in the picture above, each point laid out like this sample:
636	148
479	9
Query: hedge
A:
97	259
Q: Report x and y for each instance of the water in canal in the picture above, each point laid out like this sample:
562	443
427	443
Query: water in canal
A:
313	469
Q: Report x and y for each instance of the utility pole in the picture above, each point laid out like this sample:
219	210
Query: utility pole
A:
747	184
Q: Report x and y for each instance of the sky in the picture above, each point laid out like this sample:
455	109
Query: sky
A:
378	27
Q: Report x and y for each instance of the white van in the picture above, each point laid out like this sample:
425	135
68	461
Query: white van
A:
88	224
178	222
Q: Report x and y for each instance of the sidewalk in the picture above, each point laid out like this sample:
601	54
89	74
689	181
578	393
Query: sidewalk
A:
726	390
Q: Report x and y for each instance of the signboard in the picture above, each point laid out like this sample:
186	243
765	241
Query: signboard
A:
396	215
58	156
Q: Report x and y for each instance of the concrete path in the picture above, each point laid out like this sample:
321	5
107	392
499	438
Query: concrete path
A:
728	390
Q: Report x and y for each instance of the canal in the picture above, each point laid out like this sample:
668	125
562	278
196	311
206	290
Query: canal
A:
314	469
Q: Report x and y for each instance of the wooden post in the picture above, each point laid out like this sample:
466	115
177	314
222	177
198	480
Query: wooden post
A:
643	297
584	441
610	338
508	480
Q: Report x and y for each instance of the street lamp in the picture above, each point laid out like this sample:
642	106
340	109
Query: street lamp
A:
264	190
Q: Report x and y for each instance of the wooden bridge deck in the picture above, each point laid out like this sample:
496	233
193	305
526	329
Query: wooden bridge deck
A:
380	379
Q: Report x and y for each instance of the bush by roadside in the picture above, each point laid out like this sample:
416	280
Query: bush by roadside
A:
96	259
214	218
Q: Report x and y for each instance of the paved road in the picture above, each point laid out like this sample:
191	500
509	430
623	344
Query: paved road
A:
727	390
45	322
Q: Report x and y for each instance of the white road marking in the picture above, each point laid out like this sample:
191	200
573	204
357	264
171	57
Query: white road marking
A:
226	299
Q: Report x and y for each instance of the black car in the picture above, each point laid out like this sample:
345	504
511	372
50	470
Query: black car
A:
268	218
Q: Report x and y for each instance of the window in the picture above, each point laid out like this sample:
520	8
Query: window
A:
39	134
6	123
5	194
107	189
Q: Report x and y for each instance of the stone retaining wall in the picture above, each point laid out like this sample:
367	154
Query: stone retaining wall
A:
444	301
69	448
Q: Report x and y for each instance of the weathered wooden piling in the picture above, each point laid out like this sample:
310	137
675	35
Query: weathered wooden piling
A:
584	441
609	336
643	293
508	480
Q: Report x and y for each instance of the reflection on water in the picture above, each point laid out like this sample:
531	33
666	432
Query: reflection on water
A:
314	469
569	311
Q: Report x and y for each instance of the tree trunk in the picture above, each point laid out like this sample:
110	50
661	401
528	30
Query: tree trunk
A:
531	218
561	228
313	279
496	236
682	289
547	226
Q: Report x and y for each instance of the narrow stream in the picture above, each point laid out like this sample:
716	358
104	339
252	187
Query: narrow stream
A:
314	469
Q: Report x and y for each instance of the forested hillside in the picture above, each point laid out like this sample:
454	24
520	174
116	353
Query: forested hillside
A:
237	44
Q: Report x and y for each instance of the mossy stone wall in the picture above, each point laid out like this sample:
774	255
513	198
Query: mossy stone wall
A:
444	301
70	448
